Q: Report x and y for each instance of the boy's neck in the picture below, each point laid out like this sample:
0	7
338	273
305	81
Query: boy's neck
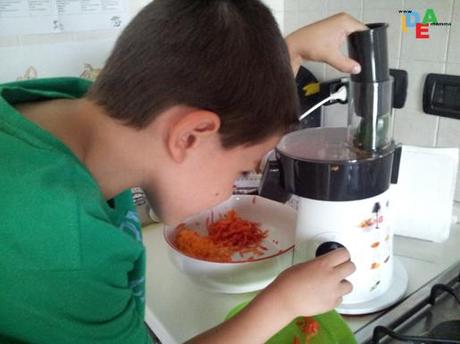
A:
97	140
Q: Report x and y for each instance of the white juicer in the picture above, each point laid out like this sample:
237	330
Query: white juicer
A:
342	178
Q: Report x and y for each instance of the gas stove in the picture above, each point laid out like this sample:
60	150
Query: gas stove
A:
429	315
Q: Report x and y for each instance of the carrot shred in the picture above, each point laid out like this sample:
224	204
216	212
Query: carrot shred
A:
309	327
230	234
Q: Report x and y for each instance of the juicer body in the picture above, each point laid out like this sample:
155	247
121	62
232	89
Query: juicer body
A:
362	227
344	200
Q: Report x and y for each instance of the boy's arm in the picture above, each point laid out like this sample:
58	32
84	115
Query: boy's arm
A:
256	323
305	289
321	41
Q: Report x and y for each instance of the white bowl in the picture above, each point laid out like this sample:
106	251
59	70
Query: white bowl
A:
241	274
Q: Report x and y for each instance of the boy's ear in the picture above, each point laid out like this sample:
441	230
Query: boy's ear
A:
192	129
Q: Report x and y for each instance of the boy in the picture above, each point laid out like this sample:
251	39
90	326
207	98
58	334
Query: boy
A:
194	93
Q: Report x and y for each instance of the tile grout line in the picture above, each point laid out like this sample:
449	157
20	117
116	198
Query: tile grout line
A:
402	36
438	118
449	33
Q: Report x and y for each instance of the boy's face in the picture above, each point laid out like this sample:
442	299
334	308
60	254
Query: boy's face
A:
204	179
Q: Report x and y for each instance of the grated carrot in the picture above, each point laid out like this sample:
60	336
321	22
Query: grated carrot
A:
230	234
309	327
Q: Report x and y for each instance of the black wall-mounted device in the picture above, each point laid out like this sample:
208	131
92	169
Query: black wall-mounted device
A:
441	95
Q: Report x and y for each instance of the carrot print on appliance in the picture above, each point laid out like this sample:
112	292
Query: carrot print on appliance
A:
375	266
366	223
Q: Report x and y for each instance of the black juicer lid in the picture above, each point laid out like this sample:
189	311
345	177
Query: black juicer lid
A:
317	163
324	146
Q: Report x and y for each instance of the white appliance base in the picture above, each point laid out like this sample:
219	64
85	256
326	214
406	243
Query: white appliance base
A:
393	295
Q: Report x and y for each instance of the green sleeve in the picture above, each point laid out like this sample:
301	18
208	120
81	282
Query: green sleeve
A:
68	307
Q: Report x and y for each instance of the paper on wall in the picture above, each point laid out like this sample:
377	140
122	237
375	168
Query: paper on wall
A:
19	17
423	197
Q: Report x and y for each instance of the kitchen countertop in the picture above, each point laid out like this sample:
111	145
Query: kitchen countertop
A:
177	309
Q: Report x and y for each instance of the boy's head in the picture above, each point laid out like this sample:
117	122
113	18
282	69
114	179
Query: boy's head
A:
224	64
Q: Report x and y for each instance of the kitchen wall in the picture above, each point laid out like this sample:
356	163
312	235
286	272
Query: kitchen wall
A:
69	53
83	53
438	54
58	54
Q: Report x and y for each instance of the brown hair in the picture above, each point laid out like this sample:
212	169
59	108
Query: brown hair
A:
225	56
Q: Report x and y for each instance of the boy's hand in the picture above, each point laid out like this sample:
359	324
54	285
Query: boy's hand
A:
314	287
305	289
321	41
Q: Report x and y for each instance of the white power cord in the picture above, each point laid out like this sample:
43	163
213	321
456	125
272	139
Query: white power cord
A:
340	94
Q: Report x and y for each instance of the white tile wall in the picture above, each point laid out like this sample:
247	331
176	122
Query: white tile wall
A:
417	71
275	5
277	8
453	51
438	54
335	115
449	129
414	128
435	48
387	4
7	41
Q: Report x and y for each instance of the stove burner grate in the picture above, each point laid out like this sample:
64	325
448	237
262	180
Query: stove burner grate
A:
447	332
442	337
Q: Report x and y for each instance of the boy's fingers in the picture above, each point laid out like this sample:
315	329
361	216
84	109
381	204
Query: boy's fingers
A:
345	269
337	257
343	63
339	302
345	287
354	25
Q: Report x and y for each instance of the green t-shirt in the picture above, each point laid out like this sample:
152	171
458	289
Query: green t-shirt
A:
71	265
